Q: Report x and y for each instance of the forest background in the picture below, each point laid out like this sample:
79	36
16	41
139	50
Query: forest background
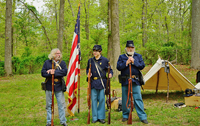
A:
157	27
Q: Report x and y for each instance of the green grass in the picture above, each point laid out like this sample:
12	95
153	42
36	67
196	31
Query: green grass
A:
22	103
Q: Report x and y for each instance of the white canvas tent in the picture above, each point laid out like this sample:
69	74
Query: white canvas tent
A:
156	78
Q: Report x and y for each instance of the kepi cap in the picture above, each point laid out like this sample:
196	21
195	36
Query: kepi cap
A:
130	43
97	47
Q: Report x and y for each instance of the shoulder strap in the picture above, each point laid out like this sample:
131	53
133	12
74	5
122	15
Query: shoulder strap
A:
58	65
100	77
99	67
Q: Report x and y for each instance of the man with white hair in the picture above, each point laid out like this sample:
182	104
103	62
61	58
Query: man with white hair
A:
59	71
135	60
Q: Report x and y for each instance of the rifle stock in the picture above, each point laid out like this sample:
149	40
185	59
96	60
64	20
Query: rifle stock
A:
108	93
89	93
52	104
131	95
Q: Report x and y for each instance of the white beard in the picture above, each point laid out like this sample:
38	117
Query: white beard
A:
129	53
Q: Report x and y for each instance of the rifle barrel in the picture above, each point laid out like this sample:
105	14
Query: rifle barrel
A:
109	112
52	105
108	93
131	95
89	94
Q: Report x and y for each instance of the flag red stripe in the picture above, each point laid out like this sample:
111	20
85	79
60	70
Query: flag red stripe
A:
74	45
73	86
73	67
71	71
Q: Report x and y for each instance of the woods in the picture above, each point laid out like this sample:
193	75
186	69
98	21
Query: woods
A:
168	28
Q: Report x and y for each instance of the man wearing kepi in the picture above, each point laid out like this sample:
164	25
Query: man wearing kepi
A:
59	71
99	67
137	64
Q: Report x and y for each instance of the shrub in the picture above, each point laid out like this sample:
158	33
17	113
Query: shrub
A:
15	64
2	71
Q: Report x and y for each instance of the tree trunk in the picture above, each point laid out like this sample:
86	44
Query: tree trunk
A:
109	54
61	25
8	39
195	58
71	8
115	37
167	29
144	23
87	30
56	17
13	29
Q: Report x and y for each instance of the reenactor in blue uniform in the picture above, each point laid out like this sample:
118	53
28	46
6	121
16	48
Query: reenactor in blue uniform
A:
59	71
137	63
99	67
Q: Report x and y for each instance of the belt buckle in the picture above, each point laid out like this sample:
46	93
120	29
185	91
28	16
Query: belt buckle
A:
95	78
56	80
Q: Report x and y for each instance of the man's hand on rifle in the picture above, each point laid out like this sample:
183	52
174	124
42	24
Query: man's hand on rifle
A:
89	75
130	60
51	71
110	75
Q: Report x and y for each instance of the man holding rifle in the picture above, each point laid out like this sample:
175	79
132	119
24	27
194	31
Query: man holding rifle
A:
137	63
60	70
99	67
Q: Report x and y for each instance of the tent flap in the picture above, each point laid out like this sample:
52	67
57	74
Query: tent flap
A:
156	77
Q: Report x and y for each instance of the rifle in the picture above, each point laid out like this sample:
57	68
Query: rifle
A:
89	93
131	96
52	104
108	93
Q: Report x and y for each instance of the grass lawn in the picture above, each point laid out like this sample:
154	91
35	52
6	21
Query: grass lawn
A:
22	103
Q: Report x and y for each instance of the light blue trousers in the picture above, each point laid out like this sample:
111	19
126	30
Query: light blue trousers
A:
98	104
61	105
138	103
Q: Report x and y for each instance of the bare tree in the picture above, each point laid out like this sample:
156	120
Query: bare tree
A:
61	25
71	8
144	22
56	17
8	39
87	30
115	36
195	58
109	55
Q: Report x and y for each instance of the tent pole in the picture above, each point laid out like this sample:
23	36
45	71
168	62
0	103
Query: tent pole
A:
167	88
157	82
167	71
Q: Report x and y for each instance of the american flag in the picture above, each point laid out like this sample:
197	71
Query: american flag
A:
74	68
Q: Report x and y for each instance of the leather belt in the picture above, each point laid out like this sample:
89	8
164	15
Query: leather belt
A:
95	78
55	79
127	77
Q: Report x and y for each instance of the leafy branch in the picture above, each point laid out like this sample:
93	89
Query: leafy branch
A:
33	10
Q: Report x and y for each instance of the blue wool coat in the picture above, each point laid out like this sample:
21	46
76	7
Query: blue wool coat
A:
103	62
135	67
58	74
